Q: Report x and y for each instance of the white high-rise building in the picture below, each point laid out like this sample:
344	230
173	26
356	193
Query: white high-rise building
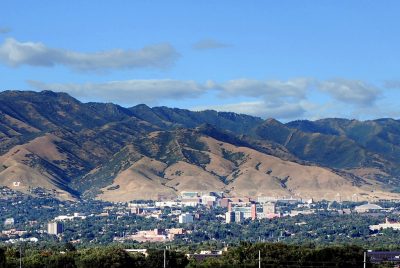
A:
55	228
239	216
229	217
186	218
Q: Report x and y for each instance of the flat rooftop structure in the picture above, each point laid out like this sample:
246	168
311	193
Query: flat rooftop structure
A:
138	250
383	256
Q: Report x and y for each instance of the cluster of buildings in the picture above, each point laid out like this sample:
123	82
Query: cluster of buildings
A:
14	235
244	208
193	199
388	224
155	235
368	208
239	208
70	217
189	207
56	226
7	193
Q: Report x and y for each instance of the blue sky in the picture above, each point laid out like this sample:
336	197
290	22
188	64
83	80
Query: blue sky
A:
283	59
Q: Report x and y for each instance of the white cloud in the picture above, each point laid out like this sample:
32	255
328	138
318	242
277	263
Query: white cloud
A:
271	89
15	53
282	111
129	91
285	100
273	93
350	91
207	44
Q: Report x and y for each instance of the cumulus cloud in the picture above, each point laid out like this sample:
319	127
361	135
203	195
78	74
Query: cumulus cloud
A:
260	108
15	53
353	92
290	99
273	89
207	44
128	91
350	91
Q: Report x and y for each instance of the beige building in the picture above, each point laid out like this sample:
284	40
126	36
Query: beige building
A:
55	228
368	208
386	225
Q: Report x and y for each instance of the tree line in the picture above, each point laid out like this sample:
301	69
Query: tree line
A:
244	255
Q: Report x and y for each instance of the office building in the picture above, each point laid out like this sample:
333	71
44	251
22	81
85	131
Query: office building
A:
186	218
229	217
55	228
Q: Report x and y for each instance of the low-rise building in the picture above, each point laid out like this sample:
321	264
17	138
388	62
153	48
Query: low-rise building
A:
294	213
226	201
13	232
266	199
155	235
190	194
137	250
368	208
269	208
162	204
205	254
208	199
345	211
386	225
191	202
69	217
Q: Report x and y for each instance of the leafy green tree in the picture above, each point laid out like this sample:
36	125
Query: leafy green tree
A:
69	247
61	261
174	259
2	258
105	258
349	256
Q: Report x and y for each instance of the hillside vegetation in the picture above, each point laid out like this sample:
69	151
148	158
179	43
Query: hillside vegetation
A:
102	150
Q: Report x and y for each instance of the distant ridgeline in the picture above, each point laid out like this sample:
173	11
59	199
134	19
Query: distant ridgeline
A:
78	150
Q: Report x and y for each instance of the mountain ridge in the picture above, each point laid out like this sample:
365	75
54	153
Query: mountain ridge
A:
106	151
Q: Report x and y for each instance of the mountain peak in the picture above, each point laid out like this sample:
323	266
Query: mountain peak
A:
272	121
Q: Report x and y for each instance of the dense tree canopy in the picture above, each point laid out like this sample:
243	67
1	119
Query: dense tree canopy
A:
244	255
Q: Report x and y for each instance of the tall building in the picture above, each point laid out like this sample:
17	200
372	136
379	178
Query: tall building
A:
186	218
239	216
229	217
55	228
247	209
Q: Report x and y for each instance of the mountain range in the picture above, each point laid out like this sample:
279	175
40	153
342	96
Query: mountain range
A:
76	150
